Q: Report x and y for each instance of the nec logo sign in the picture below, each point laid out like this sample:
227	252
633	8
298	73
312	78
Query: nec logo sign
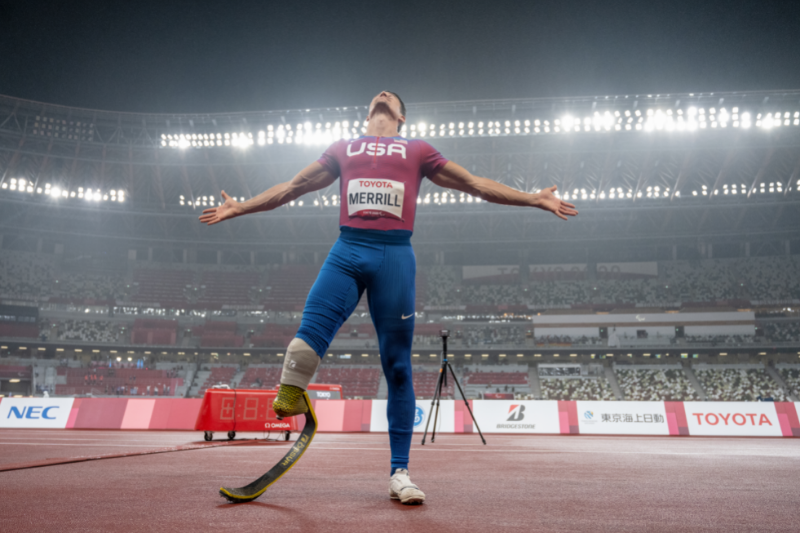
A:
35	412
32	412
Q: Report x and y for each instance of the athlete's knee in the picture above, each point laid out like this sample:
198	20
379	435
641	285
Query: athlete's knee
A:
300	364
397	372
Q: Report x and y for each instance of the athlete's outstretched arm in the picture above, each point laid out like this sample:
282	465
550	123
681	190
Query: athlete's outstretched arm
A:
454	176
312	178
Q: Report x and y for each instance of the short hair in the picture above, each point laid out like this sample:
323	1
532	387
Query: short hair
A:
402	107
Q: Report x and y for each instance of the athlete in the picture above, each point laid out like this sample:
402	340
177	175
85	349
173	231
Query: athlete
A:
380	176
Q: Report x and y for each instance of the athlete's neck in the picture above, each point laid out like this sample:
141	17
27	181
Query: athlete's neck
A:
382	125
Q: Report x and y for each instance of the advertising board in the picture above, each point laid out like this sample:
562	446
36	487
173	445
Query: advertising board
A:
35	412
733	419
517	416
622	418
444	424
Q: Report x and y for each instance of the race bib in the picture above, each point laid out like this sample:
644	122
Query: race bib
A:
371	198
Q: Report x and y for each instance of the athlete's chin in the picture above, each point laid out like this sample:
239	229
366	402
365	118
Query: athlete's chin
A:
382	107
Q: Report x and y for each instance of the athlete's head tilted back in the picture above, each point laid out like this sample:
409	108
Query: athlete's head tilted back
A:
386	110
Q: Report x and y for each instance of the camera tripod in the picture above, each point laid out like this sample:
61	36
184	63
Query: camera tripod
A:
442	382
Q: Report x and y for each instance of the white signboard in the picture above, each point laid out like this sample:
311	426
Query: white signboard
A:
35	412
517	416
557	272
627	270
622	418
491	274
745	419
445	422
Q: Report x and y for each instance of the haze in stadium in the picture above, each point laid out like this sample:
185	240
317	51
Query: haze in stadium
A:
636	367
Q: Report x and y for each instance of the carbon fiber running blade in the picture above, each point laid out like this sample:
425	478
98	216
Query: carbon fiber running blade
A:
258	487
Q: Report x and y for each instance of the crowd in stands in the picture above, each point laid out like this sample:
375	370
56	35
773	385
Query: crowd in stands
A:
81	285
427	340
488	335
83	330
566	339
442	281
773	278
782	331
792	378
739	385
576	389
656	385
27	274
714	340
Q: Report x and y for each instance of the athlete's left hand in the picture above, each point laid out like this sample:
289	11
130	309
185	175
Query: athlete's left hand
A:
230	209
549	202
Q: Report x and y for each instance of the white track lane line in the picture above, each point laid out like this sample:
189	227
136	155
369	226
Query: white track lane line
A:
549	452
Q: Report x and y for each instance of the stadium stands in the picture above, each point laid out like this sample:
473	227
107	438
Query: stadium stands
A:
227	288
781	331
261	377
218	334
220	374
162	285
156	332
289	286
738	384
86	330
481	379
792	378
27	275
731	340
360	382
496	378
679	281
23	331
489	335
576	389
774	278
655	385
123	381
274	336
74	286
425	382
566	340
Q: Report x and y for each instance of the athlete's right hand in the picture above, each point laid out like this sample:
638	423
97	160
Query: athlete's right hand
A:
230	209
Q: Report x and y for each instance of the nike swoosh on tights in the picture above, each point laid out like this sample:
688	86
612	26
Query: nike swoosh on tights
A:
404	316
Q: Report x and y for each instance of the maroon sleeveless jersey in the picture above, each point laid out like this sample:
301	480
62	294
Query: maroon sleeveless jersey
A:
380	179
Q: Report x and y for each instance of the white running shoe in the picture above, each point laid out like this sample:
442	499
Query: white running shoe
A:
401	488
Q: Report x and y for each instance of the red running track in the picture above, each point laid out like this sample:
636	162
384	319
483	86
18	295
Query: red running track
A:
515	483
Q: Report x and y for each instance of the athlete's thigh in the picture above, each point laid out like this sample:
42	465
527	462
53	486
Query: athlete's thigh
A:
391	290
331	300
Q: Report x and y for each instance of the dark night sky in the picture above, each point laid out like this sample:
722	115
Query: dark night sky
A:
179	56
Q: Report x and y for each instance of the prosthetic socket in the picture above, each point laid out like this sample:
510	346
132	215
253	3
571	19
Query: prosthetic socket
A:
300	364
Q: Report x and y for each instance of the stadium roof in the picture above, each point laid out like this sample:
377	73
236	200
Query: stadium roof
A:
639	167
